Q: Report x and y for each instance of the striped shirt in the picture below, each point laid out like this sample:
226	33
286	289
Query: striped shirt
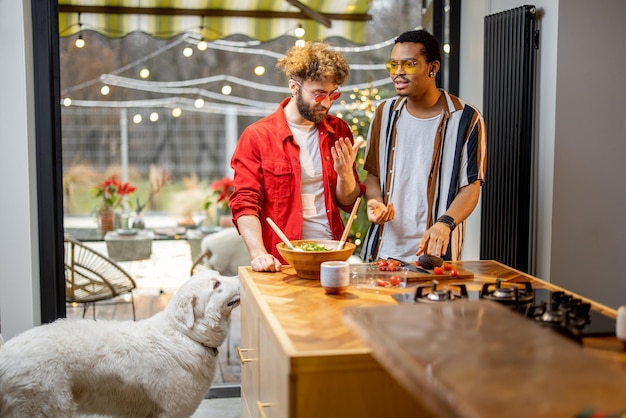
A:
459	159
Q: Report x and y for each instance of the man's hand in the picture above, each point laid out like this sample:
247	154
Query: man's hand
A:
378	212
344	154
265	262
435	241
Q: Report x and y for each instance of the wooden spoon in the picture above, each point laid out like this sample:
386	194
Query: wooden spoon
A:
344	236
280	233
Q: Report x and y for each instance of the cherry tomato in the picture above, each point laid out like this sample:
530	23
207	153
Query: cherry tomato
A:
393	265
417	263
394	280
448	266
381	283
454	273
438	270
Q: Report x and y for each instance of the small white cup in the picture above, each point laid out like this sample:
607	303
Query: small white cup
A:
335	276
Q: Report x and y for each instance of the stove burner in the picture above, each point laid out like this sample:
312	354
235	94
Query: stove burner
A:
509	294
435	295
554	317
561	312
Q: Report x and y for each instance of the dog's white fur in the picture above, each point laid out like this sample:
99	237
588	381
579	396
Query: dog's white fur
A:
228	251
159	367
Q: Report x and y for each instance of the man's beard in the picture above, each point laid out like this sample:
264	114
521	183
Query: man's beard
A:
306	112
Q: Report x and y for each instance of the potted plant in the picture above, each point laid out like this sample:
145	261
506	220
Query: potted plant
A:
217	201
113	193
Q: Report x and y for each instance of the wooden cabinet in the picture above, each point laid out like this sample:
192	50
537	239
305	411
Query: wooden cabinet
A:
249	356
264	377
300	360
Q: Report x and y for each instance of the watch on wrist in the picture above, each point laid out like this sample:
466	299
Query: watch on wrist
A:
448	221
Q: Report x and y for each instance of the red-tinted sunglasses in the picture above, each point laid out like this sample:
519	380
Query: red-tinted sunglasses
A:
320	97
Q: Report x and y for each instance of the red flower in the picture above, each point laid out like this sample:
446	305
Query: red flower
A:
113	191
223	187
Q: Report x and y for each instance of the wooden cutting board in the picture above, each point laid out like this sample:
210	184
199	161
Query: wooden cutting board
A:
418	276
414	276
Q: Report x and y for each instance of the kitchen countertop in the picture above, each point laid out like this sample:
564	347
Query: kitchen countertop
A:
607	347
484	374
308	320
480	359
299	359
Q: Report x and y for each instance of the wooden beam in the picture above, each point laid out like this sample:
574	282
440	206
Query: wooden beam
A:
170	11
317	16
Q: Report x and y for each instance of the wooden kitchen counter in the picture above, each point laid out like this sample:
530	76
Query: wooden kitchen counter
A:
481	359
607	347
299	359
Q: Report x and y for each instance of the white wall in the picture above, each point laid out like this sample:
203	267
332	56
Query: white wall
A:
588	229
471	91
19	275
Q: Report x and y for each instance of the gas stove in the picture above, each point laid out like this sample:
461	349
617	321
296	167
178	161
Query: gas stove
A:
556	310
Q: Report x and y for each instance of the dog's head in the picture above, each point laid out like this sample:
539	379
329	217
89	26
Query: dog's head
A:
201	307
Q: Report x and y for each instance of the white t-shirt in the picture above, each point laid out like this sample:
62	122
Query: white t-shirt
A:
408	190
315	221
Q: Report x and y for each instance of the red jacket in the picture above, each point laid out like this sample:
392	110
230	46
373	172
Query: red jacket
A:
266	163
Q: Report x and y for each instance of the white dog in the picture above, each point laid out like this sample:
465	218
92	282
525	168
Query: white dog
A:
159	367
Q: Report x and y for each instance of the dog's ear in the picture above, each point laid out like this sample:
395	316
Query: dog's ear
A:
184	312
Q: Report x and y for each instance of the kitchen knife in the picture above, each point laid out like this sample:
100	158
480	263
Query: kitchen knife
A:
411	266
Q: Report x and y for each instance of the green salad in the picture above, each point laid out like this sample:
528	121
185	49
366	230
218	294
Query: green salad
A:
311	246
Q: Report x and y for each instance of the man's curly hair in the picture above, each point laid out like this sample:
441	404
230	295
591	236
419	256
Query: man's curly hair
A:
316	62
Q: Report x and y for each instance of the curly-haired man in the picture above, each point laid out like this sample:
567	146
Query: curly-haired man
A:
296	166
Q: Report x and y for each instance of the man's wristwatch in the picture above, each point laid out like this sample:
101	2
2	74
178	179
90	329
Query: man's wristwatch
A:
448	221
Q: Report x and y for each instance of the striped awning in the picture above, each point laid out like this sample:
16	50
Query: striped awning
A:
217	19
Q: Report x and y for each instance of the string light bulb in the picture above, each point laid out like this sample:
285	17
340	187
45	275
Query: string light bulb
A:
259	70
299	31
202	45
80	42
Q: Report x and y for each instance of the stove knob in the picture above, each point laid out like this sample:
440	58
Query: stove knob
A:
620	327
